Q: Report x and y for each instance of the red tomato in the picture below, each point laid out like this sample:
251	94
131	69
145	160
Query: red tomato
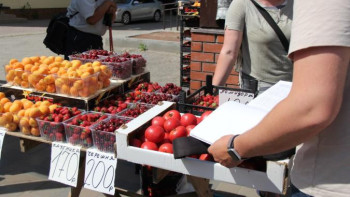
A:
206	157
205	114
154	133
149	146
171	124
166	139
166	148
189	128
135	142
158	120
178	132
188	119
172	114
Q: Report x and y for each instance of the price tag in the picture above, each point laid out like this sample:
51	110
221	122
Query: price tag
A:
2	135
235	95
64	164
100	171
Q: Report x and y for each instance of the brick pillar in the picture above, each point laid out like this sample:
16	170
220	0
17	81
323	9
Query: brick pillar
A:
205	48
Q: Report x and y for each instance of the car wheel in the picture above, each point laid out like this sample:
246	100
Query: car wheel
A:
126	18
157	16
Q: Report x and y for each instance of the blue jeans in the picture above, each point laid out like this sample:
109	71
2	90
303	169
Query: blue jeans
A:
295	192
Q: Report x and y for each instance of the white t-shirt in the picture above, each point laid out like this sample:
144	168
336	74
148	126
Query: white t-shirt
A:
321	166
86	8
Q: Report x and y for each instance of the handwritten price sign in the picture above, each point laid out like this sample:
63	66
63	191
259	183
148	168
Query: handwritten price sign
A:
64	163
100	171
232	95
2	135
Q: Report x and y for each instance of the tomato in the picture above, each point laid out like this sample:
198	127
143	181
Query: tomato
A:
199	119
188	119
172	114
205	114
178	132
166	148
158	120
189	128
171	124
135	142
206	157
154	133
149	146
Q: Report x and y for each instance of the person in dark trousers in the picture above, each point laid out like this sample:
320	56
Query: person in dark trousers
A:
87	27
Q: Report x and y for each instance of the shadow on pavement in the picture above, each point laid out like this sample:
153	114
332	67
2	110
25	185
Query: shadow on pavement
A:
40	185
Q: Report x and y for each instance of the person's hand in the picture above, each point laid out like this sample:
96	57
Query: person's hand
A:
219	151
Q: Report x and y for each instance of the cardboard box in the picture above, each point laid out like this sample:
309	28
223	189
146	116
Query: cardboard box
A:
273	180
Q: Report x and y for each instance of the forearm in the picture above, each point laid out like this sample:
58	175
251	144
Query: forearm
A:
223	67
100	12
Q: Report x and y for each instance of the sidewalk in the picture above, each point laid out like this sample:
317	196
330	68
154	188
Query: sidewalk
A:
25	174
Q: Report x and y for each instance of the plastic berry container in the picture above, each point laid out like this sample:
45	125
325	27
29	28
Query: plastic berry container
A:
78	128
103	134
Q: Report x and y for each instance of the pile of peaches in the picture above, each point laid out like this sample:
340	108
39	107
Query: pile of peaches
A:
56	75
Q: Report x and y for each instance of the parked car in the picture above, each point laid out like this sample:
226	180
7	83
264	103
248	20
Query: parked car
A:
135	10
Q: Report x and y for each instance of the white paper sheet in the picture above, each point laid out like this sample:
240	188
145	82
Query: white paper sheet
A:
236	118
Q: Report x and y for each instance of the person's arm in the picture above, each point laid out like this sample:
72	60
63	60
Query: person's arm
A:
100	11
228	56
313	103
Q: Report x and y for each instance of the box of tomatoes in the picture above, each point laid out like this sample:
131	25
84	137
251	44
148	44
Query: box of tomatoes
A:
147	140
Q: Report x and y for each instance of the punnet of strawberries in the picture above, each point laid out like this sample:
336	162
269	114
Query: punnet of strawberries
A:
148	87
51	127
78	129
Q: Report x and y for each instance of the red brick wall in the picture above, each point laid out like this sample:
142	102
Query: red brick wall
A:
205	49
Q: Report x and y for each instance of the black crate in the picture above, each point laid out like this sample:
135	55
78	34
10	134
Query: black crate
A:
185	104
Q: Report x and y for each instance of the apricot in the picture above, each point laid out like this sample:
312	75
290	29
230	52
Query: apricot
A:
11	126
35	58
40	87
12	61
7	106
2	95
8	68
25	84
8	117
25	130
21	113
25	76
96	63
58	59
34	68
74	91
27	104
52	108
10	75
35	131
106	83
78	84
34	113
49	79
15	107
18	65
51	88
17	80
65	89
1	108
44	109
32	122
16	119
27	60
4	100
54	70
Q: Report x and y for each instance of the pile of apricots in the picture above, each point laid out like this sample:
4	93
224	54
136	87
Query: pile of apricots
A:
53	74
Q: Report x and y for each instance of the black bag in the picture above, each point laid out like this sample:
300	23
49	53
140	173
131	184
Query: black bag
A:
56	33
